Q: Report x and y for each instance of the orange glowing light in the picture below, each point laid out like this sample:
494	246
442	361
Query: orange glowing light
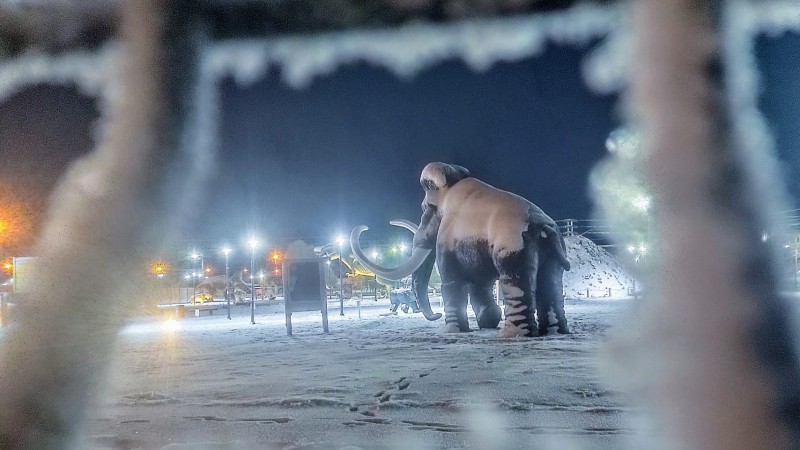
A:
16	220
276	256
159	268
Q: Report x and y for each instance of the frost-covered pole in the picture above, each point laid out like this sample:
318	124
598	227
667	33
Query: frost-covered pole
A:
112	210
725	371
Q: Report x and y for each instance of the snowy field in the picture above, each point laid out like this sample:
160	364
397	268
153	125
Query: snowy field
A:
377	382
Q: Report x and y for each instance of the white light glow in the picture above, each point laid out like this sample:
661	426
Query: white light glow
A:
170	325
642	202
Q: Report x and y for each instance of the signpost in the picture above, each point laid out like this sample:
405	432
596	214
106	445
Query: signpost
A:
304	289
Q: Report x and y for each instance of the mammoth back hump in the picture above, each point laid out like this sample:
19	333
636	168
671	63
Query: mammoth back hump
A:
474	210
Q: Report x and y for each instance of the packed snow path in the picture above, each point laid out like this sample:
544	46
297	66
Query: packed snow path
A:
376	382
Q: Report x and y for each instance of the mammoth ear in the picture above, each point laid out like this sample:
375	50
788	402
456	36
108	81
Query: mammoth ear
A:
439	175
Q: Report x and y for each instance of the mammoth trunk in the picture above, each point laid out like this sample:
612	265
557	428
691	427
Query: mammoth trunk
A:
419	281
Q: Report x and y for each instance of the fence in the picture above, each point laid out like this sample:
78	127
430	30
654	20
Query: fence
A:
605	235
600	232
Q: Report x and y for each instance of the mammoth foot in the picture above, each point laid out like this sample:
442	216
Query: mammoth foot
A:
559	330
513	331
489	317
454	328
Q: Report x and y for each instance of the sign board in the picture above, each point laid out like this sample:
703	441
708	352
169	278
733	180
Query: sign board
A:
304	289
24	274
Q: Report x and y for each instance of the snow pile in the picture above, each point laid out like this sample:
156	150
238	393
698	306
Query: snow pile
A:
594	271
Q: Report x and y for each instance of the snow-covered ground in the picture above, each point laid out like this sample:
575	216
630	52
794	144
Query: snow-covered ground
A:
382	381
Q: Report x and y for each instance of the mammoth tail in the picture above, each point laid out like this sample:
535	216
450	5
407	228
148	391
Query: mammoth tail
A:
554	239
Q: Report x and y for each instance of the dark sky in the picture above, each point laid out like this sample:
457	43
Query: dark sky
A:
779	64
348	149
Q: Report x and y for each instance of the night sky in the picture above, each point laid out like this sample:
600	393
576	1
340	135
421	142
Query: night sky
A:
348	150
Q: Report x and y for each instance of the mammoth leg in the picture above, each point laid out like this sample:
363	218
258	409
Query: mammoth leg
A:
517	275
486	310
549	294
454	294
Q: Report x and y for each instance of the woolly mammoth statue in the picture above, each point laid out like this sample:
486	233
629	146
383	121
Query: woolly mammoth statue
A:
478	234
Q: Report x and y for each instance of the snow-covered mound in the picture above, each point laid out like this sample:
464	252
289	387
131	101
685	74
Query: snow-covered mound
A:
595	272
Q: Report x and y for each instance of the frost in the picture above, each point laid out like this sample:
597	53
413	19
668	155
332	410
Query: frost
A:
405	51
607	67
88	70
411	48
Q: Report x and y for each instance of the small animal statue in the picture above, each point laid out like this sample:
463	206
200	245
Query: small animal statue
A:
404	297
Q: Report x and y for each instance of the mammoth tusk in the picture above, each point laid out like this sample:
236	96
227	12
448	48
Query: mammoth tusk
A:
407	224
417	258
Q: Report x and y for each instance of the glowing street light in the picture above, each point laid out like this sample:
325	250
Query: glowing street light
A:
403	248
227	251
642	203
253	244
196	255
159	269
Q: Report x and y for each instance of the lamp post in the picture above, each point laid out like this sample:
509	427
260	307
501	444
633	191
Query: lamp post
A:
227	251
195	255
252	243
795	266
194	287
375	256
340	243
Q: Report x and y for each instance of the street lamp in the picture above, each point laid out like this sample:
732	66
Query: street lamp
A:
252	243
340	243
196	255
642	203
227	251
194	287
